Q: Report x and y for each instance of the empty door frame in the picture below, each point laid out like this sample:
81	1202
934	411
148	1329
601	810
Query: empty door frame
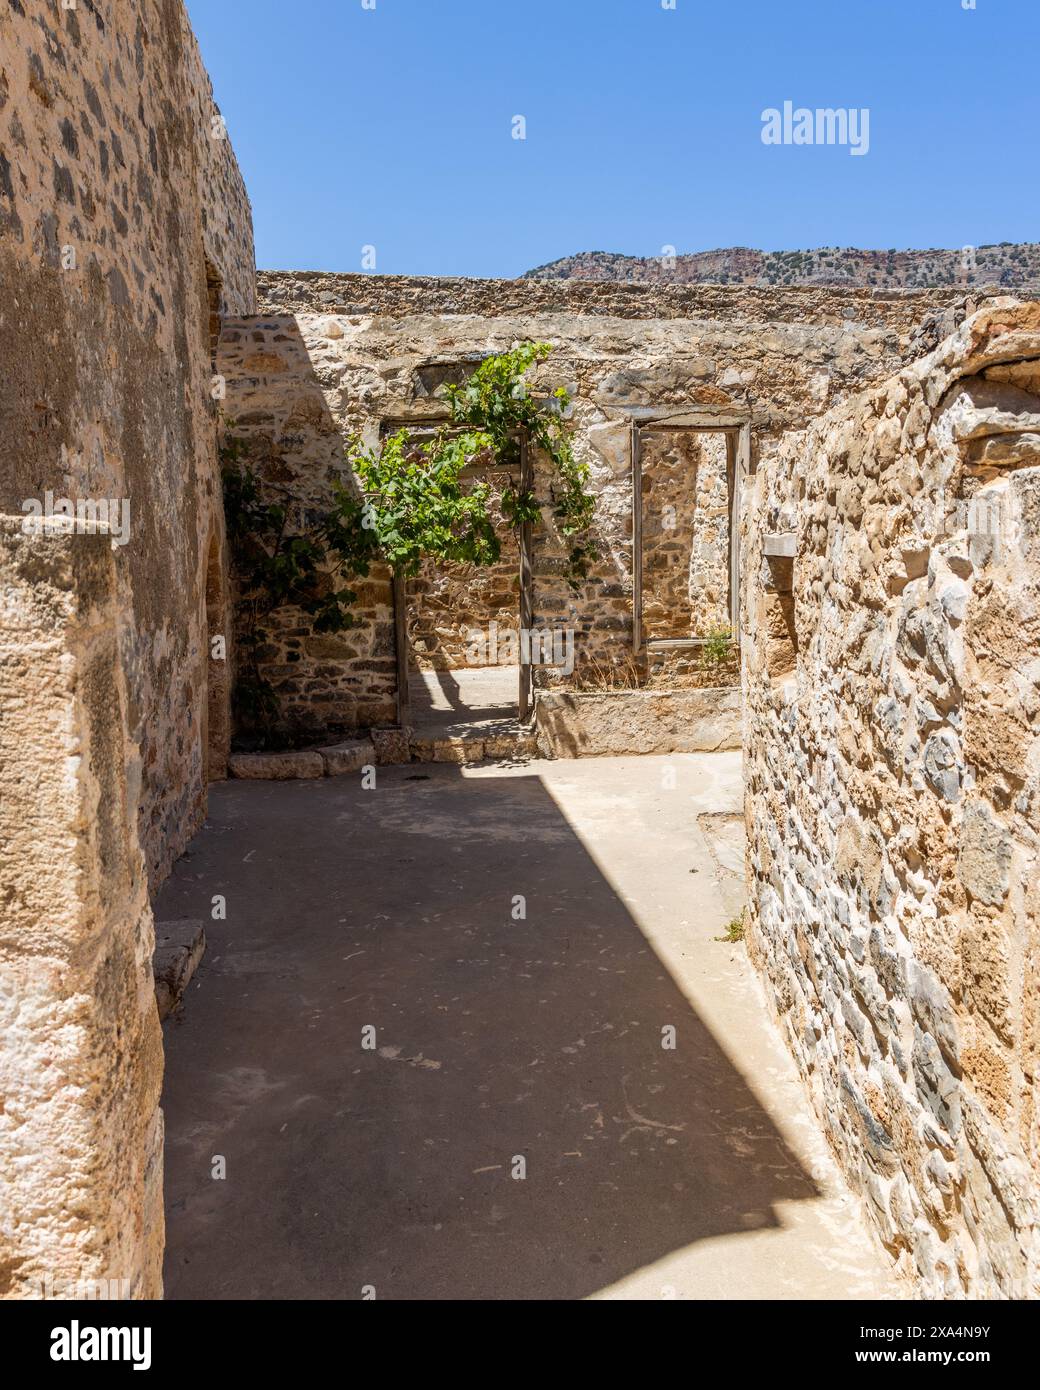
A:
737	433
401	650
400	595
526	586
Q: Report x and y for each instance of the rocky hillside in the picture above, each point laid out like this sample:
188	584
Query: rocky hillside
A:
1015	266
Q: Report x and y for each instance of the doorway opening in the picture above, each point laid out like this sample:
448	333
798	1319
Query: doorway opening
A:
687	474
463	663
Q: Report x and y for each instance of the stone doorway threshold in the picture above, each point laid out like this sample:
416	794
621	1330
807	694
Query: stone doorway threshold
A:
649	1172
466	715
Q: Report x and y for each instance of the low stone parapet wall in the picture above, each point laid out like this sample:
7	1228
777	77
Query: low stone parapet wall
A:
612	723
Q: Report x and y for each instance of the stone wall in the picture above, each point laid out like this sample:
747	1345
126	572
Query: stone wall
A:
123	225
81	1055
113	198
619	723
302	383
892	750
325	683
403	296
224	207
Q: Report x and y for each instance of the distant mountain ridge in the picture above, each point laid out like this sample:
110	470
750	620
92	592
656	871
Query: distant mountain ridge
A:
1013	265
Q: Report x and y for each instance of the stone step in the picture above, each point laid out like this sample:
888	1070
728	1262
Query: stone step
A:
335	760
179	947
387	746
349	756
277	767
473	748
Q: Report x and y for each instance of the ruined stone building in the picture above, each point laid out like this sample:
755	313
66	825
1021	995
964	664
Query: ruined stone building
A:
840	486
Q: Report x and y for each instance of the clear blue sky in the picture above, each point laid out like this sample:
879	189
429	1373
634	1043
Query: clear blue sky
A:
392	127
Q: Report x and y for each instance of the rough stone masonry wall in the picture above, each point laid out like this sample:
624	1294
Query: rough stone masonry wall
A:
892	752
325	682
405	296
302	382
113	197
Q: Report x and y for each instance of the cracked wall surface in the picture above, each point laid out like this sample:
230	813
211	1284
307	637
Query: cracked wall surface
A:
892	751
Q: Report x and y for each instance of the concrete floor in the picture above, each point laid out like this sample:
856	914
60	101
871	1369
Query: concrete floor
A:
696	1172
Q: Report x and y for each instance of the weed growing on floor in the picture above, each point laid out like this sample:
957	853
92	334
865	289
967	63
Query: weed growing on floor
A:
733	931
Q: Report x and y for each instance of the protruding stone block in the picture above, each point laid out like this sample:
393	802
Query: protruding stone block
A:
458	750
350	756
984	862
179	947
277	767
391	746
521	745
780	547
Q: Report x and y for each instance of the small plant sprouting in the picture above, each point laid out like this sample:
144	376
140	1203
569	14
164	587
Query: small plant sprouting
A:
717	650
733	931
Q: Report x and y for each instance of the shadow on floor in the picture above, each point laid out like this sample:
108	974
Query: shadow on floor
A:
497	1039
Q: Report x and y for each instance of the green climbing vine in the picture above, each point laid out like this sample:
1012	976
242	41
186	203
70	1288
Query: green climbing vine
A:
414	504
496	400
